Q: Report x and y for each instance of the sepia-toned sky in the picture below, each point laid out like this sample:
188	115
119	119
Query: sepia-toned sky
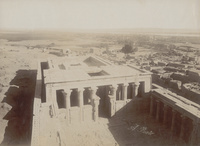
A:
99	14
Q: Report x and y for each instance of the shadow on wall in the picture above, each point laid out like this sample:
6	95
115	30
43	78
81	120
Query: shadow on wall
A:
132	125
20	96
120	124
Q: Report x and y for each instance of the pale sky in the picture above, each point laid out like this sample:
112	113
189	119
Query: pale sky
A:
99	14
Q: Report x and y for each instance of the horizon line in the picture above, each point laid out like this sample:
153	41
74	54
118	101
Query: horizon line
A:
138	29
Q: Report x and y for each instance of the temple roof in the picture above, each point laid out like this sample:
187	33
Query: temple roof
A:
86	68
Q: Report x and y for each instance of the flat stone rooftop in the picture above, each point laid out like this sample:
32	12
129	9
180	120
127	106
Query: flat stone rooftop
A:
86	68
178	101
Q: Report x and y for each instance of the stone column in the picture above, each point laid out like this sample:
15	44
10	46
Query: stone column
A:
112	98
173	120
136	88
193	139
132	90
96	108
80	102
151	105
67	93
183	118
125	92
166	107
93	91
80	97
107	98
114	90
157	110
94	103
112	106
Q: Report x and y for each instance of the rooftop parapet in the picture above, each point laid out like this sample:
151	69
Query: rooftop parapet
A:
181	104
96	68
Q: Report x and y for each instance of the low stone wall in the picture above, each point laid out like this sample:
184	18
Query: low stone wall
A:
191	95
119	105
78	115
35	137
87	113
75	115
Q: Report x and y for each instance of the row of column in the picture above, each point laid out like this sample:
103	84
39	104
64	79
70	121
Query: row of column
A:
134	90
183	123
113	94
67	93
93	98
165	111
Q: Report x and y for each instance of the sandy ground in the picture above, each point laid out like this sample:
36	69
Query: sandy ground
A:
13	59
125	129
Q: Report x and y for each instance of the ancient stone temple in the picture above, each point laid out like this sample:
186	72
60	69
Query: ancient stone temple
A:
80	89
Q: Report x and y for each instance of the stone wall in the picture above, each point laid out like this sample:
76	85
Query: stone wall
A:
35	139
191	95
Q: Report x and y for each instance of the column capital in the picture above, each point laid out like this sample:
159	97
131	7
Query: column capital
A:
137	83
114	86
81	88
67	90
125	84
94	88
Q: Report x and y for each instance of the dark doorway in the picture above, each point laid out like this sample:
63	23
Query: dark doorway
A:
102	92
60	98
74	98
86	97
141	89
